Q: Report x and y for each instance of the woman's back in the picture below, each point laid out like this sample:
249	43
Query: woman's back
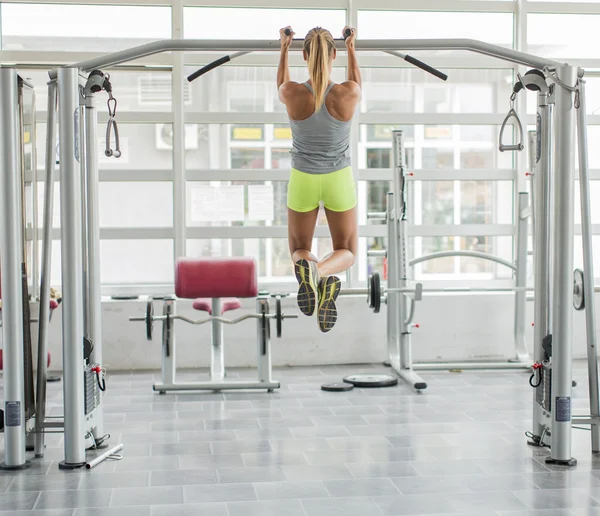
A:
320	140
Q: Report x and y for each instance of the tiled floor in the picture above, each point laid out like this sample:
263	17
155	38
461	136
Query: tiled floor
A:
458	448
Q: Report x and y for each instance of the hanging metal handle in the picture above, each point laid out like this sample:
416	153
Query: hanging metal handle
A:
514	147
110	127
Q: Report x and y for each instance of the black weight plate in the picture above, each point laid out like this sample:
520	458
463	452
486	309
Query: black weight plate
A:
278	316
371	380
370	291
578	290
149	318
376	293
337	387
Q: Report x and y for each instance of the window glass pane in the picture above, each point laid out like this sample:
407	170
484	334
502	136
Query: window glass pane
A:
126	262
593	147
376	197
243	88
136	204
143	146
236	203
437	147
91	28
55	206
238	146
272	255
562	35
409	90
578	254
461	267
494	28
257	23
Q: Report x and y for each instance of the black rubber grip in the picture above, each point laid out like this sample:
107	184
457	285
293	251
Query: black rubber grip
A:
209	67
347	33
426	67
287	32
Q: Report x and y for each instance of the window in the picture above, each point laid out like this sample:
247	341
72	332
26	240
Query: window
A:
91	28
136	262
256	23
562	35
494	28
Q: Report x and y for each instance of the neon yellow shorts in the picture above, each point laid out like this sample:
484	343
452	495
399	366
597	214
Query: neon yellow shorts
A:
336	189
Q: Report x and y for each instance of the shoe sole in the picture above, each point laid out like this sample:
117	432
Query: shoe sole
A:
327	313
307	292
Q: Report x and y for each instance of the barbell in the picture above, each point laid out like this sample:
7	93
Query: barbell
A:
376	291
149	318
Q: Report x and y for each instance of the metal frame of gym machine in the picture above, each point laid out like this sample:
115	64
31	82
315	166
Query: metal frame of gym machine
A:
81	309
401	290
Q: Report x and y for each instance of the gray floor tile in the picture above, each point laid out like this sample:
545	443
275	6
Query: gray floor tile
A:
218	493
417	485
300	444
382	469
447	467
231	424
113	480
18	501
362	487
332	457
266	508
556	498
413	504
205	436
147	496
180	449
290	490
205	509
311	473
183	477
73	499
233	460
546	512
51	512
147	463
341	507
246	475
474	502
278	458
111	511
225	447
44	483
565	480
326	431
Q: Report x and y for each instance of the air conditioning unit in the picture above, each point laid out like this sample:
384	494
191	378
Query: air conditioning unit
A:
164	137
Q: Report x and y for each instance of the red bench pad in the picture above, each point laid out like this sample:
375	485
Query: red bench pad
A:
215	277
227	304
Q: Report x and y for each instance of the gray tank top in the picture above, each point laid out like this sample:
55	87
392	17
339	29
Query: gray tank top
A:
320	143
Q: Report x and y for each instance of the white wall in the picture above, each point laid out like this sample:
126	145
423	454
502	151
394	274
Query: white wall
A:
451	327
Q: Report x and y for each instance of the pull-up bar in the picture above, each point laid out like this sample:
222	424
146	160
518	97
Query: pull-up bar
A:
347	33
371	45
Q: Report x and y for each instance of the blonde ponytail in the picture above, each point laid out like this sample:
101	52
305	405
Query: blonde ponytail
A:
320	45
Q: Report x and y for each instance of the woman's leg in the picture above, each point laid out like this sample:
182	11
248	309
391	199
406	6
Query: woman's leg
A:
344	235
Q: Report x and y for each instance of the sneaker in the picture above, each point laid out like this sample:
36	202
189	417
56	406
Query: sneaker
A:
329	289
307	275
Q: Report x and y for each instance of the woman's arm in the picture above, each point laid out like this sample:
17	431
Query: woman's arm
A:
283	72
353	70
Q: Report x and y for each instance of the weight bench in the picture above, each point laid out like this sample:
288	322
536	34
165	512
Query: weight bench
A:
216	286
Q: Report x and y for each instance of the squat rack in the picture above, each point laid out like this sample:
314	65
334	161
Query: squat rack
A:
80	235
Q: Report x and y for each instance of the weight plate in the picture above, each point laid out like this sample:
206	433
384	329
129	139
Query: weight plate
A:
369	291
149	318
376	293
337	387
278	316
371	380
578	290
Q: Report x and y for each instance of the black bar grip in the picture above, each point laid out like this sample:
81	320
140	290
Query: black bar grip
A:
208	68
287	32
426	67
347	33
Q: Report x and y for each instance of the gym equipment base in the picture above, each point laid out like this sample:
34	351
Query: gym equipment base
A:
214	386
70	465
26	465
556	462
441	366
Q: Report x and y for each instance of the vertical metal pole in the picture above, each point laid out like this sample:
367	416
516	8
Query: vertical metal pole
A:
45	272
84	229
532	171
393	342
562	256
92	219
543	180
12	292
217	361
588	267
263	341
521	352
72	273
178	83
168	362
